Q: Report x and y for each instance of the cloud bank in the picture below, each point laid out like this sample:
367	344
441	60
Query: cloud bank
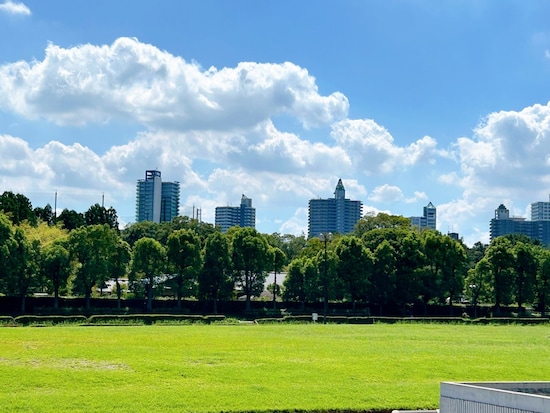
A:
215	131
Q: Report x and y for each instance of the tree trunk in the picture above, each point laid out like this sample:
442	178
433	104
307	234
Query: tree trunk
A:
180	291
56	299
275	292
150	298
87	299
23	303
118	294
247	290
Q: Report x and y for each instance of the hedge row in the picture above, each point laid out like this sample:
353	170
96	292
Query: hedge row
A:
393	320
109	319
153	318
149	319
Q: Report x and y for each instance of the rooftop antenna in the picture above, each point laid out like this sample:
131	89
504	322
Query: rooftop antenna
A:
103	200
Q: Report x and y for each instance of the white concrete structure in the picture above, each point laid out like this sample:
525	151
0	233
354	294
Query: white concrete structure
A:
498	397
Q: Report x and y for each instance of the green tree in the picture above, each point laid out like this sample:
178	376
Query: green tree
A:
477	286
119	261
278	262
98	215
354	267
380	221
453	256
409	281
70	219
144	229
501	260
92	247
23	266
7	245
291	245
202	229
300	272
215	279
525	265
327	286
57	267
434	251
17	207
475	254
543	281
184	254
148	263
251	259
45	214
383	277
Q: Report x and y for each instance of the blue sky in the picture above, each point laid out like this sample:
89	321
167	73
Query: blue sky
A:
407	102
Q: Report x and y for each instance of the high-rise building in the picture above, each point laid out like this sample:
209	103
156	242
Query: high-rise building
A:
337	215
536	229
156	201
428	220
540	211
240	216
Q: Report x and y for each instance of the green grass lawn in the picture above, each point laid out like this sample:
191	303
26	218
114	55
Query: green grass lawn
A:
243	368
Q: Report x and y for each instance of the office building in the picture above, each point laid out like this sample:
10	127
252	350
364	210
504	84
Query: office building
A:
156	201
240	216
336	215
537	229
428	220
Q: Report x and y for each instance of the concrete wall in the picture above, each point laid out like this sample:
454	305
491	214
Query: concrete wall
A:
495	397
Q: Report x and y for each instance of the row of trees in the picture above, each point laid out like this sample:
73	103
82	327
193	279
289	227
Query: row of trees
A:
78	262
395	265
384	263
19	209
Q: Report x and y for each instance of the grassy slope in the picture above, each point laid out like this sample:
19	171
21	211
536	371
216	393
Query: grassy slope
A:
200	368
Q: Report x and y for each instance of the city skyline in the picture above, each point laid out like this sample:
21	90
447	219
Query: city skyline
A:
407	102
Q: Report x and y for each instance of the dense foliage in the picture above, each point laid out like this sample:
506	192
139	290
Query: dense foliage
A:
385	265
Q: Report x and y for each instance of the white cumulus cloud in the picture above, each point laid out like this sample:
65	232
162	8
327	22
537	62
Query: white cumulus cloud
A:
373	150
134	81
12	7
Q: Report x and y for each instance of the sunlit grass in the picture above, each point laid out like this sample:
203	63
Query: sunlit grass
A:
215	368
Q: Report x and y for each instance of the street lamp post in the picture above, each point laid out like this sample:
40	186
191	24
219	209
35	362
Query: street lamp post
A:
325	238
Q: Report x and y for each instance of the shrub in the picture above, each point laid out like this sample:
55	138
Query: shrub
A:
360	320
149	319
214	318
7	320
49	319
268	320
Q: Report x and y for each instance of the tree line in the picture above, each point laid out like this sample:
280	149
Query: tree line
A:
384	263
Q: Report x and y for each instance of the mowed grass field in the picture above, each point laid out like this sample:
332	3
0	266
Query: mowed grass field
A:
245	368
